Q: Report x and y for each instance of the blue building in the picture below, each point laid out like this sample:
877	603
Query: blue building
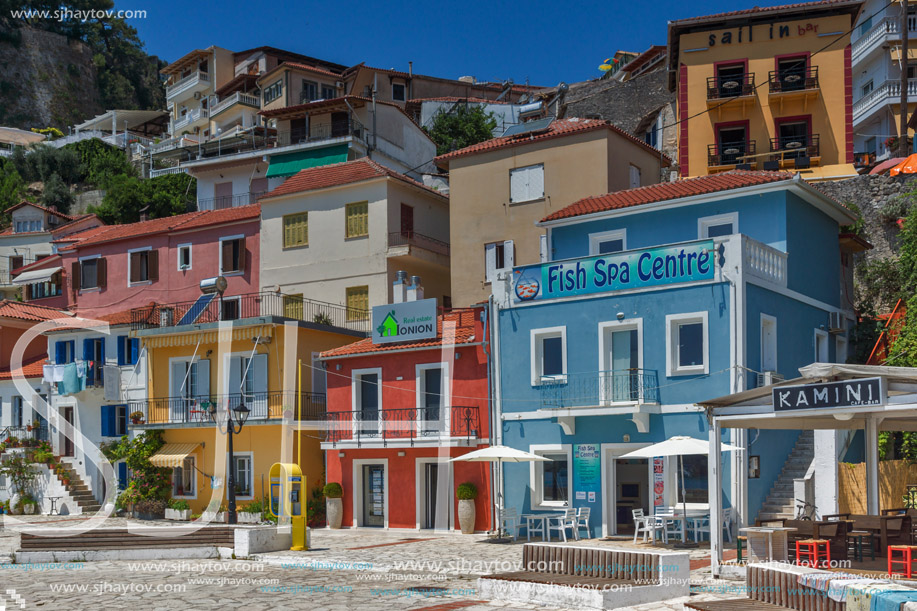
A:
651	300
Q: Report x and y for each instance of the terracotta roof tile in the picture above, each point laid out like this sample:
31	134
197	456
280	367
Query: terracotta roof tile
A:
29	311
43	208
299	66
557	129
763	9
453	98
343	173
29	369
666	191
116	318
464	334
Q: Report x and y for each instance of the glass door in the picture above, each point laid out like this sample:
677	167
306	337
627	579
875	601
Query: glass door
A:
374	495
431	474
622	379
732	142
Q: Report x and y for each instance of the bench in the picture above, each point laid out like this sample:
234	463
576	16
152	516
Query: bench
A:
835	532
590	577
891	529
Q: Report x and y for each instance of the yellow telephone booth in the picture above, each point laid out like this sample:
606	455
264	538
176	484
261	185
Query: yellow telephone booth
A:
288	500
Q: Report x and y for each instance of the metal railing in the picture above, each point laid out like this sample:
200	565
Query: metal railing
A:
250	305
412	238
403	424
600	388
23	433
186	82
887	92
793	79
197	409
719	87
229	201
321	131
190	117
236	98
729	153
792	147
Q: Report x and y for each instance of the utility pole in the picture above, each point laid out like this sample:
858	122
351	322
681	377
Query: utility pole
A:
902	120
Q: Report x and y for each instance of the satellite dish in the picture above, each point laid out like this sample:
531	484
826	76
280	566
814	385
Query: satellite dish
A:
605	67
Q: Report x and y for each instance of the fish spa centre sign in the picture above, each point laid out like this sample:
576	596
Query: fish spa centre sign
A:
632	269
399	322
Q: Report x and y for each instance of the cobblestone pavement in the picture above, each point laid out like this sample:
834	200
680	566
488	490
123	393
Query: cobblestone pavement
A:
344	570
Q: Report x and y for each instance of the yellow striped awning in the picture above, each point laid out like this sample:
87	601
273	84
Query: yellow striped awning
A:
172	455
896	53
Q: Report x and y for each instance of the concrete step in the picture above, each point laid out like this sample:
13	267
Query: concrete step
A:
764	515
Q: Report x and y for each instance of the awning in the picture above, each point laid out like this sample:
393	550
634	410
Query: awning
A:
896	53
173	455
835	171
35	276
291	163
11	135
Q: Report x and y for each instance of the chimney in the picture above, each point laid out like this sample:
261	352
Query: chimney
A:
415	290
52	208
400	287
144	213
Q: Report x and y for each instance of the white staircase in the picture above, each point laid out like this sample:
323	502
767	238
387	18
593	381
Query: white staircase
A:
781	501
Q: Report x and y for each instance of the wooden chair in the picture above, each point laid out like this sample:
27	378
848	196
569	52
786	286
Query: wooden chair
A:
582	520
561	523
510	516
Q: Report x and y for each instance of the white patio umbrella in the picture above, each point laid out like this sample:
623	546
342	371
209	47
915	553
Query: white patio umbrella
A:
679	446
499	455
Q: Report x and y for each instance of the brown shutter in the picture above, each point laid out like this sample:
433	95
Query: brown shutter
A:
241	255
134	262
227	256
153	265
28	292
75	276
101	272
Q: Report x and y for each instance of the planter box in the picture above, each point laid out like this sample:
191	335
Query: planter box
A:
214	517
178	514
243	517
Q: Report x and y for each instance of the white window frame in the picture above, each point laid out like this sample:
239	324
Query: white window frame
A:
419	390
705	222
604	365
91	288
820	336
193	479
630	176
528	196
357	509
536	354
509	259
771	320
223	239
404	89
251	474
187	245
355	375
536	475
672	324
595	239
130	251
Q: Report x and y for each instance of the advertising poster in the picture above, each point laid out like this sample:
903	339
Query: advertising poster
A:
587	474
658	481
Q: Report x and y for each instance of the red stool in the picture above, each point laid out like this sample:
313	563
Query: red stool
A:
905	557
809	552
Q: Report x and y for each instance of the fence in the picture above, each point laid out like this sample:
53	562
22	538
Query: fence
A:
894	477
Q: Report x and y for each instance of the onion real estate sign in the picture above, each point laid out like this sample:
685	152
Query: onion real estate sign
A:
632	269
866	392
400	322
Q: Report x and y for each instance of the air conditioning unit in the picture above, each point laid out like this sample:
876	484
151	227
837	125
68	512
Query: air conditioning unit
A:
197	95
166	316
835	322
339	84
769	377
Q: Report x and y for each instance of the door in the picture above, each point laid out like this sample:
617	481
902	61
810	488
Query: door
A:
730	80
298	131
622	382
340	124
432	402
222	195
369	404
407	220
67	443
793	137
732	143
431	474
374	495
791	73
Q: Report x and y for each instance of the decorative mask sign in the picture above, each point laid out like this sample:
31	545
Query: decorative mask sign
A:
867	392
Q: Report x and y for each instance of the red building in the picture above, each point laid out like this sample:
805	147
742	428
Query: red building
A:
398	412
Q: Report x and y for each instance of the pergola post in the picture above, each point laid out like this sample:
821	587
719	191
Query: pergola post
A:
715	497
114	122
872	465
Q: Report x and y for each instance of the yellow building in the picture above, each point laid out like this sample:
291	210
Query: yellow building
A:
202	367
765	89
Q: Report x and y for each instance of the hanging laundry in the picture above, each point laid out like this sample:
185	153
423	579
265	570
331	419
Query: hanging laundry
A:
81	369
72	382
53	373
111	380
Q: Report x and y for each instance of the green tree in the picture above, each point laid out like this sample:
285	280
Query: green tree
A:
463	126
126	196
56	193
12	189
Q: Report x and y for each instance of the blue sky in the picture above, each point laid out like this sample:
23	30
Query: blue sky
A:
546	42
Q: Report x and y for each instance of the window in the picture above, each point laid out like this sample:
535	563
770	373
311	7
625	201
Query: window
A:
549	355
717	226
550	479
292	306
89	273
864	27
398	92
114	420
795	138
367	398
328	92
17	411
40	290
142	266
128	350
296	230
911	73
730	80
526	184
231	309
16	262
94	355
498	257
27	226
731	145
791	73
634	176
687	346
694	470
621	361
432	389
184	479
232	255
357	302
64	352
866	88
273	91
357	220
821	346
184	257
768	343
309	92
607	242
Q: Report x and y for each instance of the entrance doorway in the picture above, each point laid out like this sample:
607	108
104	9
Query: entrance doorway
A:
374	495
627	484
434	496
66	442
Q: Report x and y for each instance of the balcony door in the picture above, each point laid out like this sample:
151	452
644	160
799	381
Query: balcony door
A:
732	142
340	124
374	495
793	137
298	130
621	378
791	72
189	392
730	80
248	384
407	221
431	404
367	388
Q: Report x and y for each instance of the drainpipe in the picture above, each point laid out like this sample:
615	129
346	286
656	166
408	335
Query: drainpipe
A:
375	83
497	404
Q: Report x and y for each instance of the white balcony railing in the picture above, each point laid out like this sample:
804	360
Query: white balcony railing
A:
888	92
236	98
165	171
763	261
190	117
186	83
886	30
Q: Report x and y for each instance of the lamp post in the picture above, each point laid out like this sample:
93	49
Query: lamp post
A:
235	416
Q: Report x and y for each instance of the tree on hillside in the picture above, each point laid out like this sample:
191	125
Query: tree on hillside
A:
463	126
12	189
126	196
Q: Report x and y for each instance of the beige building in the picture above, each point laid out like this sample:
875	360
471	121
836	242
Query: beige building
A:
338	233
502	187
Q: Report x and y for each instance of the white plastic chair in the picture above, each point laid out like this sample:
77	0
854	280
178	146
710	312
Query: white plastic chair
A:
648	525
582	520
701	525
561	523
510	516
534	526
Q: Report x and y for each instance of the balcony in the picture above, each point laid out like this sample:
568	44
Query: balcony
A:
403	426
196	80
196	410
600	389
27	434
237	98
229	201
885	31
796	151
167	171
413	244
251	305
793	84
322	131
887	93
722	90
189	118
722	157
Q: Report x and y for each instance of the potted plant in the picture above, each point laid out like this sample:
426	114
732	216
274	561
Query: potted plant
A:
149	510
466	493
137	417
65	481
178	510
250	514
334	506
29	506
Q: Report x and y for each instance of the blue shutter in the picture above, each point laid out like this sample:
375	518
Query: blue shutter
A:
122	475
122	360
108	421
135	350
101	353
59	348
87	349
72	354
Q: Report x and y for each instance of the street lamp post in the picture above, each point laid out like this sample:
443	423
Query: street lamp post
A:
235	416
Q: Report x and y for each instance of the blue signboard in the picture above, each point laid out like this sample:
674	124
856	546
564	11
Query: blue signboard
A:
587	472
632	269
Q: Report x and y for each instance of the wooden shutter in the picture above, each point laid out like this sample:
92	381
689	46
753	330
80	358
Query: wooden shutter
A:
134	350
75	276
108	429
134	262
153	265
509	257
101	272
490	262
226	261
544	247
242	251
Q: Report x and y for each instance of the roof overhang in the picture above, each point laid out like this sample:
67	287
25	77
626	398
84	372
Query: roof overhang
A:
132	119
186	60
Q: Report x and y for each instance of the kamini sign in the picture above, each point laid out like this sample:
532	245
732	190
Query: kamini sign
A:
868	392
633	269
399	322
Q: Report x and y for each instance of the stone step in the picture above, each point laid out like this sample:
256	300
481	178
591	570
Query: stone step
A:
763	516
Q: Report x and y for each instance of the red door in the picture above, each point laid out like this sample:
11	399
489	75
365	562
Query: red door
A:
407	220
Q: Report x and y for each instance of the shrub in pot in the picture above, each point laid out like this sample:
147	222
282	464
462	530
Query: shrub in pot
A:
334	506
250	514
466	494
150	510
29	506
178	510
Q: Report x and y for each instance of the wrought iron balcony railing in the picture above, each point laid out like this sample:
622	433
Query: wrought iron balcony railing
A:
600	388
196	409
229	201
732	153
403	424
412	238
792	147
720	87
793	79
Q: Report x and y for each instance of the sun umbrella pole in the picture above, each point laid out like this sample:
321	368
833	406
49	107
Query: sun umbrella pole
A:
684	501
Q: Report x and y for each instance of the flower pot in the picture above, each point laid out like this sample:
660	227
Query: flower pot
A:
466	516
244	517
334	512
29	509
178	514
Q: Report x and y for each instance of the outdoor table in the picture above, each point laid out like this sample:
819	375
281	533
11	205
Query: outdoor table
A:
53	511
675	517
531	518
767	543
856	544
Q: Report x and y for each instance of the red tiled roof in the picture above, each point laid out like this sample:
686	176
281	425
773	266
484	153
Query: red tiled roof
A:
299	66
666	191
821	4
29	311
459	99
43	208
557	129
79	236
343	173
29	369
40	264
116	318
464	334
